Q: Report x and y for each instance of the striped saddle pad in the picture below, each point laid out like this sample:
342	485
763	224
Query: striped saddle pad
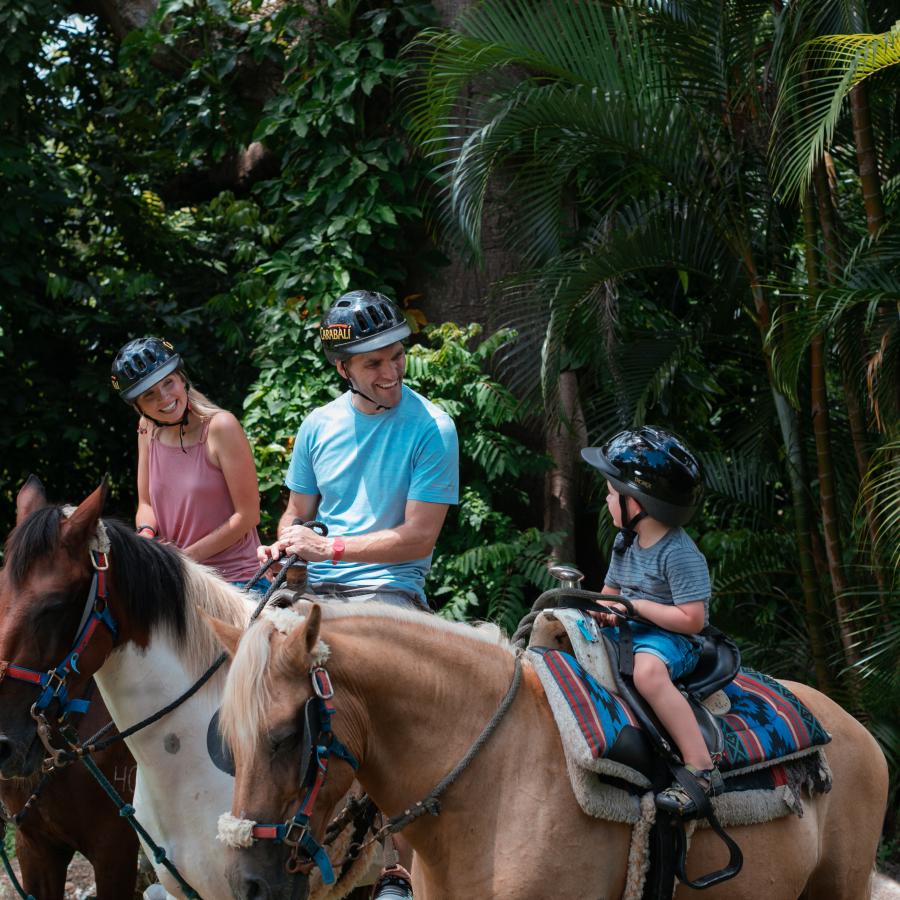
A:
765	721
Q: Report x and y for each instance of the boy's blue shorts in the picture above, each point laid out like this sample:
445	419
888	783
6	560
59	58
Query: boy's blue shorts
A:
678	651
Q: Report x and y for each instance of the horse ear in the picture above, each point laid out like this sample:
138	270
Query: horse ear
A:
229	636
79	528
298	647
30	498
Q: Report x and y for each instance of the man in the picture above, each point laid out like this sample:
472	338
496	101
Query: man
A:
379	466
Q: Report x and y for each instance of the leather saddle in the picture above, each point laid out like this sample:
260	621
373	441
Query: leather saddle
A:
720	660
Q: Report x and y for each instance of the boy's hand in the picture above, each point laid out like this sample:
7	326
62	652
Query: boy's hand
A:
606	618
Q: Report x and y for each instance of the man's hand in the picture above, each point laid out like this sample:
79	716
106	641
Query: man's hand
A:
305	542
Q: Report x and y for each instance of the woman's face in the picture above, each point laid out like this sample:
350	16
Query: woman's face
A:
166	401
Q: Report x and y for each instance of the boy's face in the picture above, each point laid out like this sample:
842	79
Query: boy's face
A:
615	507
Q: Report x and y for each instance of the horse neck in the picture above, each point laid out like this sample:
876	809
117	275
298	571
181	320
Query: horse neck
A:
148	672
419	697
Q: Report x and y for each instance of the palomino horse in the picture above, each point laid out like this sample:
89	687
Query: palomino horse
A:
412	693
155	597
71	811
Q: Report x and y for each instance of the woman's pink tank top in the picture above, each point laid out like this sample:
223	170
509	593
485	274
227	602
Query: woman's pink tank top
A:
190	499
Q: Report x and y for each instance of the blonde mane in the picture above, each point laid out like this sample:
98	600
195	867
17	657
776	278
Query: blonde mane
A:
207	592
248	688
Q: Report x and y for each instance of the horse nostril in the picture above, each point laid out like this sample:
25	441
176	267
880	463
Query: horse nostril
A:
6	749
255	890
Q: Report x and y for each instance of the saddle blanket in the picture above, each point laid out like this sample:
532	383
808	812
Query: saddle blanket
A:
765	727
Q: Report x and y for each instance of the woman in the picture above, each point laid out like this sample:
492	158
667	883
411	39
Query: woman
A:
196	478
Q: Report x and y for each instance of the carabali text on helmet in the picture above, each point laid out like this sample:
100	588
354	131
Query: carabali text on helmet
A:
340	332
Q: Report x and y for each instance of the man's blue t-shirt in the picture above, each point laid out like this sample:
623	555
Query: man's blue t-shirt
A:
365	468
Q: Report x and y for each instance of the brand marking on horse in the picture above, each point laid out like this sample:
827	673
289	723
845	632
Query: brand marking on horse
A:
124	778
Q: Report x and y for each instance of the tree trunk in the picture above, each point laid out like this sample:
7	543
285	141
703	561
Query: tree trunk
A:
565	438
866	157
821	430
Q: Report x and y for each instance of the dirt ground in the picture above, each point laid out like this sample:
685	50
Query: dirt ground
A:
80	884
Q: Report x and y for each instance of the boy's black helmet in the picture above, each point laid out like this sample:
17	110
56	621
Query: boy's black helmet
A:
360	322
140	364
656	468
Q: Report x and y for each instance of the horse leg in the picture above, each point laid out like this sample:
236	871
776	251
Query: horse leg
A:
851	814
115	872
44	866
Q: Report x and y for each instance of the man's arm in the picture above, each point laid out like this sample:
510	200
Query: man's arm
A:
414	538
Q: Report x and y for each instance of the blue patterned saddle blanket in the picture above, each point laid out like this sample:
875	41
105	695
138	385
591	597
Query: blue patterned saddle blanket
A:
765	722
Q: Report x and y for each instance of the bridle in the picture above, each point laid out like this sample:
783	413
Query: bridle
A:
315	755
54	682
314	759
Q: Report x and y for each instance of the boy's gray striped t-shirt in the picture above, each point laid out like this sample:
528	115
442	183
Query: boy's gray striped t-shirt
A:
673	570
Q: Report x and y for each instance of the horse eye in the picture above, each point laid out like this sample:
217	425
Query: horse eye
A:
281	742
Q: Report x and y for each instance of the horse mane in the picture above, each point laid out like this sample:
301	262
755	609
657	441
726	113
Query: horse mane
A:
31	540
158	586
248	688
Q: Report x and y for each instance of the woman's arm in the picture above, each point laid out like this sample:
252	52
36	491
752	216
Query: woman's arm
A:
229	450
144	514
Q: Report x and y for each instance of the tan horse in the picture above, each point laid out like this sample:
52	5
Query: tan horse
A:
413	692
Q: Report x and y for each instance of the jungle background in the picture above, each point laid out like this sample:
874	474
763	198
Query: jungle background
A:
595	215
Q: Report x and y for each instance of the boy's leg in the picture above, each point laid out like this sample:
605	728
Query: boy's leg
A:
651	678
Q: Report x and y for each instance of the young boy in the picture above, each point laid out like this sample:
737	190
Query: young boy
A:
655	484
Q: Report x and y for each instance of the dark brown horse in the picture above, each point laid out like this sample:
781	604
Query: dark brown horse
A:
71	811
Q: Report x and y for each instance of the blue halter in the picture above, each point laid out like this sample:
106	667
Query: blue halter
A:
53	683
295	832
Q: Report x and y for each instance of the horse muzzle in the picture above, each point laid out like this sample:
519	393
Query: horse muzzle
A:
259	873
18	760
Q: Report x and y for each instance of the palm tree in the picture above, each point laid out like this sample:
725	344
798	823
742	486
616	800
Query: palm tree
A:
633	142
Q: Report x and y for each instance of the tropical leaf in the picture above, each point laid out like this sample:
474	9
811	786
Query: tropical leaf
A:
820	75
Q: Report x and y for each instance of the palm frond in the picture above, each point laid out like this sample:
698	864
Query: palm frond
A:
819	76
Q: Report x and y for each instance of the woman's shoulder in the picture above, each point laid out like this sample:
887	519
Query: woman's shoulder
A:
144	432
224	426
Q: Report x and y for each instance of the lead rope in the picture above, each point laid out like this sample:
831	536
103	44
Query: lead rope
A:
431	803
7	865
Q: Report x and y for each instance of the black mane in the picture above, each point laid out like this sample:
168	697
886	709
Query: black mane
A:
148	576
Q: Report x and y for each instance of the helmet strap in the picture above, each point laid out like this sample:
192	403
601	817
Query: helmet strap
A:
627	530
355	390
181	423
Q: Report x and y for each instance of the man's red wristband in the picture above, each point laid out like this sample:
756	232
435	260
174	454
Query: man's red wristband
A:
337	550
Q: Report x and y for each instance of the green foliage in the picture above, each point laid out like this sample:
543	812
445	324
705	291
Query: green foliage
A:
486	565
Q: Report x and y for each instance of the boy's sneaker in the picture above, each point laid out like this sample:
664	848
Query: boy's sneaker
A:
676	800
393	884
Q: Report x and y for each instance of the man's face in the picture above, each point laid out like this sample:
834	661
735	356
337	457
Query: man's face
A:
378	375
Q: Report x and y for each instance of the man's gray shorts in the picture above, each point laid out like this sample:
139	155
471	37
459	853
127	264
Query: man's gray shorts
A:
332	590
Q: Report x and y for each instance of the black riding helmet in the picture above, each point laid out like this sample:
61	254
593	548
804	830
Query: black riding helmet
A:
656	468
359	322
140	364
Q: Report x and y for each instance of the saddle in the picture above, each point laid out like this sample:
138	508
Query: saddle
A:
650	750
720	661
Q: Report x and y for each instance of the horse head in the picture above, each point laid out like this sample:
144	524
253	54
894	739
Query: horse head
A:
44	585
276	717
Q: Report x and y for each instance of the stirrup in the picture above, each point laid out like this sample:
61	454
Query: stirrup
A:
393	884
676	800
